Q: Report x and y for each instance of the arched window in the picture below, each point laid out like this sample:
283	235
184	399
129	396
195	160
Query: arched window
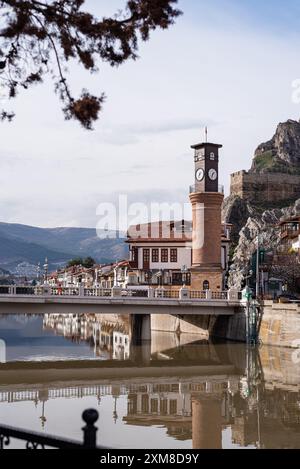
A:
206	285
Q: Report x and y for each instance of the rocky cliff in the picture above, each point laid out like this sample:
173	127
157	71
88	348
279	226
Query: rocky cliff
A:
266	224
281	153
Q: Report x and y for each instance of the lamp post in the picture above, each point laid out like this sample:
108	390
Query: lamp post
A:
257	268
46	266
159	277
38	273
99	277
184	271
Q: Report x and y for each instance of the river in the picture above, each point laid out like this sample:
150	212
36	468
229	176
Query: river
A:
177	392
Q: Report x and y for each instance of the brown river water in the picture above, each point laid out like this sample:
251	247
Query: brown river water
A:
177	392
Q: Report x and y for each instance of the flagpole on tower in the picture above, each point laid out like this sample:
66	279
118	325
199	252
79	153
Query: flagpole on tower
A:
206	132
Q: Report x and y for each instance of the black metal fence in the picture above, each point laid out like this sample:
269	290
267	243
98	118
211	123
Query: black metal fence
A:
34	440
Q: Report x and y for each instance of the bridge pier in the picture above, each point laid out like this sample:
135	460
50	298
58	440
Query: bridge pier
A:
140	328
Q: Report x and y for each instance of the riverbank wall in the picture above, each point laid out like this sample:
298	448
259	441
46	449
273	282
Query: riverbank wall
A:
279	325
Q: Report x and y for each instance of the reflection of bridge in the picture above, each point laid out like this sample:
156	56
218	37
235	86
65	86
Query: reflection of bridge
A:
47	394
198	406
35	393
150	402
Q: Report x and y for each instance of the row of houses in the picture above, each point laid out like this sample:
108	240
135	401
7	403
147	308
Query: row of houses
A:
160	254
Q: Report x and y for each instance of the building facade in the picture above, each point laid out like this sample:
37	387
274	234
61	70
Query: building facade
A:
290	234
161	254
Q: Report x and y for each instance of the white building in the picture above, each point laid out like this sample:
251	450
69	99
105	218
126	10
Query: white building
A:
161	253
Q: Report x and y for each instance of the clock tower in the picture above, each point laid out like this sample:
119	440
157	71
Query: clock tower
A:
206	198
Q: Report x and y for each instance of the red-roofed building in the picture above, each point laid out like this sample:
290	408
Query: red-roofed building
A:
161	253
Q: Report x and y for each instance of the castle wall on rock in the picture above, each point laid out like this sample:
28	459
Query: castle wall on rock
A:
265	187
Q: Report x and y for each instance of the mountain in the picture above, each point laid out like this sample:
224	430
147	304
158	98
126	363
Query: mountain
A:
22	243
281	153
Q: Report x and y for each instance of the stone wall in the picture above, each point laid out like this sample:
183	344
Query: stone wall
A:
265	187
280	325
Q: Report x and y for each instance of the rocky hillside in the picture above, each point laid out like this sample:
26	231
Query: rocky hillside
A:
266	224
281	153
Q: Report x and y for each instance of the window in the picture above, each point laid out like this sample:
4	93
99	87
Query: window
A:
154	406
146	258
155	255
163	406
174	255
134	254
145	404
173	407
212	157
206	285
164	255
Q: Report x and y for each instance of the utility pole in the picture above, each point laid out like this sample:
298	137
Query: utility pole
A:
257	268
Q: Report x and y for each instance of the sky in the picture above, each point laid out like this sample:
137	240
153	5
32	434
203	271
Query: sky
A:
225	64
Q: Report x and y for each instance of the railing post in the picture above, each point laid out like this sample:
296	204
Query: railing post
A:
116	292
151	292
13	290
47	290
232	294
90	417
81	290
208	294
184	294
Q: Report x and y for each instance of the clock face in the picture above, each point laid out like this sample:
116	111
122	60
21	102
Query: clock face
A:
212	174
199	174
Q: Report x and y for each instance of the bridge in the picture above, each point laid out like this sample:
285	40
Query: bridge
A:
46	299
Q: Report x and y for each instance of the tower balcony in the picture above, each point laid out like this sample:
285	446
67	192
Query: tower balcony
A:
194	189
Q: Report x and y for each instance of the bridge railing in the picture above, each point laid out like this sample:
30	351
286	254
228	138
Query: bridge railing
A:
219	295
117	292
98	292
58	291
169	294
198	295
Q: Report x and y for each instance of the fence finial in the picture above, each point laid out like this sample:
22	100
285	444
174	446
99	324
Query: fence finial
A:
90	417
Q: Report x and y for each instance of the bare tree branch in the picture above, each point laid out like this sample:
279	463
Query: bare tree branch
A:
33	33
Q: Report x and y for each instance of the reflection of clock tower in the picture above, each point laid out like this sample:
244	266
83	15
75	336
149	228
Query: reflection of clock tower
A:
206	198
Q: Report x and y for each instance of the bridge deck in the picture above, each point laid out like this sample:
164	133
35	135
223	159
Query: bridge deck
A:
124	305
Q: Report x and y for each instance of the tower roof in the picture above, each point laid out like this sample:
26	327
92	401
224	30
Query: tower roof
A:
206	144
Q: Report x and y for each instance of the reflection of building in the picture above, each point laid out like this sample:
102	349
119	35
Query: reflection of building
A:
109	340
197	409
194	411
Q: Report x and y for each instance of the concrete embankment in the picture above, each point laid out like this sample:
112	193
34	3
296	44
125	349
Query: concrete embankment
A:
280	325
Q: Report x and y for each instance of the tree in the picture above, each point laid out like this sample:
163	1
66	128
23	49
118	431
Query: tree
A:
40	37
88	262
75	262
